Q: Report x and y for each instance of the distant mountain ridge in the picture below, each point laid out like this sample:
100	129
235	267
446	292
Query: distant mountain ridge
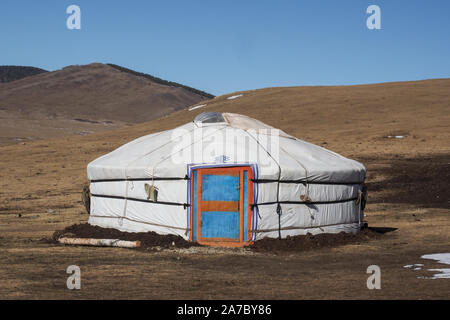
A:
161	81
13	73
81	99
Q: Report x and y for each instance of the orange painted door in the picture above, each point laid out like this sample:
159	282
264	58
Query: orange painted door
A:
221	206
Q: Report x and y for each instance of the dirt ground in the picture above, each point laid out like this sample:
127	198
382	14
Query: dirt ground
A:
407	178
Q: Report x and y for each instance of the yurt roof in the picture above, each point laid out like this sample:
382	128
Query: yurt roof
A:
170	153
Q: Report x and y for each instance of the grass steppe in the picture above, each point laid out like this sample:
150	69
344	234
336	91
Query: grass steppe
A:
408	180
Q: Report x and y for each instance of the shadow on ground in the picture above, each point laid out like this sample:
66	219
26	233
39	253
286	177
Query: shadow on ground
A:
421	181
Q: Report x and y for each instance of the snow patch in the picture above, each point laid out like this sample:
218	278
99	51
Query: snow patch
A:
196	107
444	274
440	258
416	266
234	97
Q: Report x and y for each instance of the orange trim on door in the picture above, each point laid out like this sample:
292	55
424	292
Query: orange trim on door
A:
226	206
220	206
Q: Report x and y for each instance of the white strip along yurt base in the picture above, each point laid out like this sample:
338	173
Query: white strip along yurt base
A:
225	179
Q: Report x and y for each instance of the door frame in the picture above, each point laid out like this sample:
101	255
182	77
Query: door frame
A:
224	171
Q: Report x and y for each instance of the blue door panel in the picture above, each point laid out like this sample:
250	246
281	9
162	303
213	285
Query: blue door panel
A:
220	188
220	224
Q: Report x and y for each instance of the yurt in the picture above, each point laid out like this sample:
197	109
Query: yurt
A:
226	179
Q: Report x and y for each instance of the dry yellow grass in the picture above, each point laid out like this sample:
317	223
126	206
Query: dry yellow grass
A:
353	121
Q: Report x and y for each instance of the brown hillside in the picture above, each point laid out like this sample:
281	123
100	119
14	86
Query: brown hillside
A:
83	99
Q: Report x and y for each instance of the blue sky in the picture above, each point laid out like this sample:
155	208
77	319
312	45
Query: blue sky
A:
225	46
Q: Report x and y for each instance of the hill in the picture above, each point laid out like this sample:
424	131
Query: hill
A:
13	73
86	99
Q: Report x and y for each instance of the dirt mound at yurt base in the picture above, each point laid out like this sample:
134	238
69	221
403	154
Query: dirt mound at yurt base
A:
147	239
310	242
152	240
